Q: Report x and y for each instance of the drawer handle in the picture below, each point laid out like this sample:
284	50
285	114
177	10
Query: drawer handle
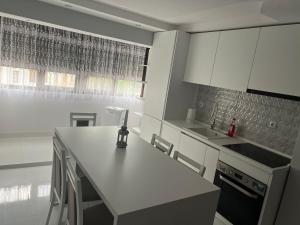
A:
242	190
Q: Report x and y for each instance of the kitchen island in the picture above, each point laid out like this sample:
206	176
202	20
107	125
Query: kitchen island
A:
139	184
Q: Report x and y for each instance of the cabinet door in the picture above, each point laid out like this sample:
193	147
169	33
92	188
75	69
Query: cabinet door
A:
276	65
149	126
192	148
158	74
171	135
210	162
234	59
201	57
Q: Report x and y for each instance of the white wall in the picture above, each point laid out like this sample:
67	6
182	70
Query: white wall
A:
20	113
46	13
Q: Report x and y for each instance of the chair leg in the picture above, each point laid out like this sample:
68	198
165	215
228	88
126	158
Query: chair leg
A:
60	213
49	213
52	177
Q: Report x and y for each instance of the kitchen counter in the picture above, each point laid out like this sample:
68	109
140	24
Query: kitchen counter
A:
214	151
139	184
218	143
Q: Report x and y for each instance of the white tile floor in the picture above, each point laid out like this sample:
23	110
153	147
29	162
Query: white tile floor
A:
24	195
25	150
24	192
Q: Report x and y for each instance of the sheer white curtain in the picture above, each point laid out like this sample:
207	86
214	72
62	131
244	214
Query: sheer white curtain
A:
44	60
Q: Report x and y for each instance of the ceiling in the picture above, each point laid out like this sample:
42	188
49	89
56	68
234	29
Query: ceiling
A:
189	15
171	11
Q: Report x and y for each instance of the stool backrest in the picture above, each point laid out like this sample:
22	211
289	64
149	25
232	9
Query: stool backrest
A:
82	119
161	144
195	166
59	170
75	203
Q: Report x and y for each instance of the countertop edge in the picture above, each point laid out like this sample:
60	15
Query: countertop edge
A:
214	144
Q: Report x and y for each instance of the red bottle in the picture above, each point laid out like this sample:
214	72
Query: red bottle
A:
232	128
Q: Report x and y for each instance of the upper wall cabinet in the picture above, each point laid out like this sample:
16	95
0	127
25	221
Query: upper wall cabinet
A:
234	59
201	57
277	61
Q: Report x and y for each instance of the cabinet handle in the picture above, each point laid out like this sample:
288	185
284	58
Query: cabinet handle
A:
242	190
191	137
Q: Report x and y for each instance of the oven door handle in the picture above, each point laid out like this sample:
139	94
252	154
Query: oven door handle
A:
254	196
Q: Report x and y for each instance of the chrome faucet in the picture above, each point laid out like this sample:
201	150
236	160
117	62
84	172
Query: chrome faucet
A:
214	115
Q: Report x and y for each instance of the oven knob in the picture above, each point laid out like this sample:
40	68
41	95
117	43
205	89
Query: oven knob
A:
260	187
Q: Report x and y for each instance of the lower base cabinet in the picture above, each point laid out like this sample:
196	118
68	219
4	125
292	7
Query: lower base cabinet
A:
171	135
201	153
192	148
187	145
149	126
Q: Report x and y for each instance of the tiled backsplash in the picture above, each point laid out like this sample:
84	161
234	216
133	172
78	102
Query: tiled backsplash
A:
253	114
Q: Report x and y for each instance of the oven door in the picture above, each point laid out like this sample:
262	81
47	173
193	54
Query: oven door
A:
237	203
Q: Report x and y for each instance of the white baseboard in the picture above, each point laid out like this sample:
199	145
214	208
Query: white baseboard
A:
23	165
24	134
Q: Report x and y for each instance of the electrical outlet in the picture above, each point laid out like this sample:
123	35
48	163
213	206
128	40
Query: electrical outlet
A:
272	124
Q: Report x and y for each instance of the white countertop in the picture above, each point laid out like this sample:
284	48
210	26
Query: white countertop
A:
133	179
218	143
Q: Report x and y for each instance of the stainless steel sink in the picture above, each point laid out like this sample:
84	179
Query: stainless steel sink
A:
207	133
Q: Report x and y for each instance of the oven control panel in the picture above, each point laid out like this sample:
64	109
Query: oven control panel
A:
244	179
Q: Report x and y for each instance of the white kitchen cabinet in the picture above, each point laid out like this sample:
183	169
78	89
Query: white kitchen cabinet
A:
210	162
201	153
158	74
192	148
276	65
201	57
171	135
234	59
149	126
166	96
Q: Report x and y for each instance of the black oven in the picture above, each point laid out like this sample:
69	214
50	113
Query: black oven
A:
241	198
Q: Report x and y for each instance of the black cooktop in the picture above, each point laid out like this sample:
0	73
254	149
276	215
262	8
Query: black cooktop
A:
259	154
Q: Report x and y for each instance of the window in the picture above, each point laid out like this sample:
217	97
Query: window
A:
64	80
129	88
114	86
68	62
100	84
18	76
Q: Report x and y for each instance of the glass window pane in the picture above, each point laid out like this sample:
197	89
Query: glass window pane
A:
128	88
65	80
18	76
100	84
